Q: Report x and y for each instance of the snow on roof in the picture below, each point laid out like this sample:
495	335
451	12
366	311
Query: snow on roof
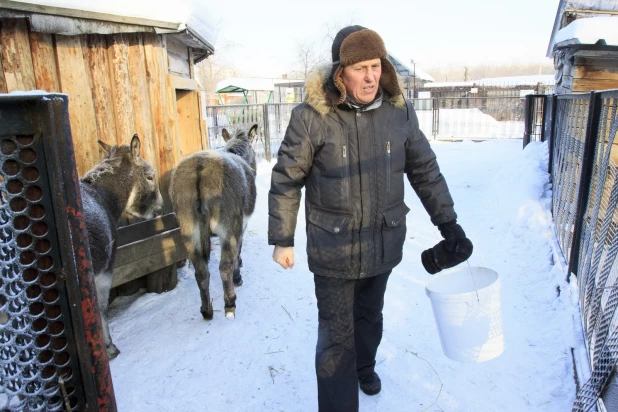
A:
512	81
590	30
193	13
518	80
578	9
432	85
238	84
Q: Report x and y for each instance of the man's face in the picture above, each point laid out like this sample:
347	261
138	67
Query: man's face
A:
361	80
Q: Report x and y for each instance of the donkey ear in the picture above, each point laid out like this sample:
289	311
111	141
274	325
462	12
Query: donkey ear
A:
225	134
105	146
253	133
135	146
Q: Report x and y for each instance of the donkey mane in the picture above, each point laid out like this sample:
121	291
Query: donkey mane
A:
107	165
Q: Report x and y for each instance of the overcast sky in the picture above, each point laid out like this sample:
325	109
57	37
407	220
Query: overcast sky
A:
260	37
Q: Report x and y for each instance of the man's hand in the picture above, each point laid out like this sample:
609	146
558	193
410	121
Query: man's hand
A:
284	256
453	250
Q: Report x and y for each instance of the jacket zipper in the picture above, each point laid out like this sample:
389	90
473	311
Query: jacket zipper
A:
388	166
346	171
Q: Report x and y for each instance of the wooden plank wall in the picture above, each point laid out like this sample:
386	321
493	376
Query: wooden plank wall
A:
589	70
117	84
595	73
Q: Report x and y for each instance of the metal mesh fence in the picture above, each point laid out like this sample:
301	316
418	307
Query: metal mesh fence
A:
440	118
568	139
272	120
232	118
471	117
597	270
278	120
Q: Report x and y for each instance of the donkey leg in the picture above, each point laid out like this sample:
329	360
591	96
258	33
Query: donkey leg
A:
202	276
237	278
229	257
103	282
199	256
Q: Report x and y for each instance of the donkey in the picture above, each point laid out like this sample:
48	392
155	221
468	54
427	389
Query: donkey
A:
213	193
121	183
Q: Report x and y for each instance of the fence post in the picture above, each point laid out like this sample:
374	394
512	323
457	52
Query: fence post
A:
528	119
594	114
544	103
266	134
435	111
552	136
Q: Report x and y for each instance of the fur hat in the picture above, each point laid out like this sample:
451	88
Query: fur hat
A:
355	44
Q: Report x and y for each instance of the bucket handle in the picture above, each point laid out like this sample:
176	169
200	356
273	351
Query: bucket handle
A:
474	282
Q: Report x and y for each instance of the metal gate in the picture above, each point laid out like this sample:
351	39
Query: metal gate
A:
52	354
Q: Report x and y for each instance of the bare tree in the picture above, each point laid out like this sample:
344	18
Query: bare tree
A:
311	52
215	68
309	56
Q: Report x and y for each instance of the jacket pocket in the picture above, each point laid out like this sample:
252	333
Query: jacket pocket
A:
394	232
329	240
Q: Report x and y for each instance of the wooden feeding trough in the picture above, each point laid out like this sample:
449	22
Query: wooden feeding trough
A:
123	75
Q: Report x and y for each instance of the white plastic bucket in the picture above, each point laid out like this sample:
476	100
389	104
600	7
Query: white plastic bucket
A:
470	328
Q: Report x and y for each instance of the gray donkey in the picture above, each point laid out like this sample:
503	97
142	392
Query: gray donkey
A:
122	183
213	193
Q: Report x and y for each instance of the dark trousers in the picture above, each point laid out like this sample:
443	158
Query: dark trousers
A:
349	332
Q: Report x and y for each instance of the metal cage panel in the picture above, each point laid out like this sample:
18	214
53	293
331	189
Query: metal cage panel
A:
50	341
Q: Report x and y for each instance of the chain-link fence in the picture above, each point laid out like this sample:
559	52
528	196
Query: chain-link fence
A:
582	132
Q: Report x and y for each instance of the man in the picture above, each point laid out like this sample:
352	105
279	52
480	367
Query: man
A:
349	145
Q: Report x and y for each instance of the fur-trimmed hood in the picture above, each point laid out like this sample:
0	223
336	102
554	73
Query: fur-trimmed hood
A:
319	97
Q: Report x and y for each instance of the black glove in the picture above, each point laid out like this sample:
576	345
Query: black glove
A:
453	250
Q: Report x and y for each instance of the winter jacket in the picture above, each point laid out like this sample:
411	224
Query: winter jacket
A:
351	164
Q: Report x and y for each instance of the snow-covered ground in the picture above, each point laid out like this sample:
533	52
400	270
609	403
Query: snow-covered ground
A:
173	360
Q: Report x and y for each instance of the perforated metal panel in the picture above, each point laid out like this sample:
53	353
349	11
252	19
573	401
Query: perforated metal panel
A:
45	360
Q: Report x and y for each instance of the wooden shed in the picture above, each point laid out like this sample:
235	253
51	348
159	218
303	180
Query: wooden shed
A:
123	75
584	46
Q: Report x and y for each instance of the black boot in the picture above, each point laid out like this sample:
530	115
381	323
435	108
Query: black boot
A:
370	384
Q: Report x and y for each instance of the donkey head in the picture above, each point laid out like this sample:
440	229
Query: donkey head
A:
134	179
241	144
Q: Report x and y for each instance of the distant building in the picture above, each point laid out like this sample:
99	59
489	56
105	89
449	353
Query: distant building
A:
258	91
515	86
